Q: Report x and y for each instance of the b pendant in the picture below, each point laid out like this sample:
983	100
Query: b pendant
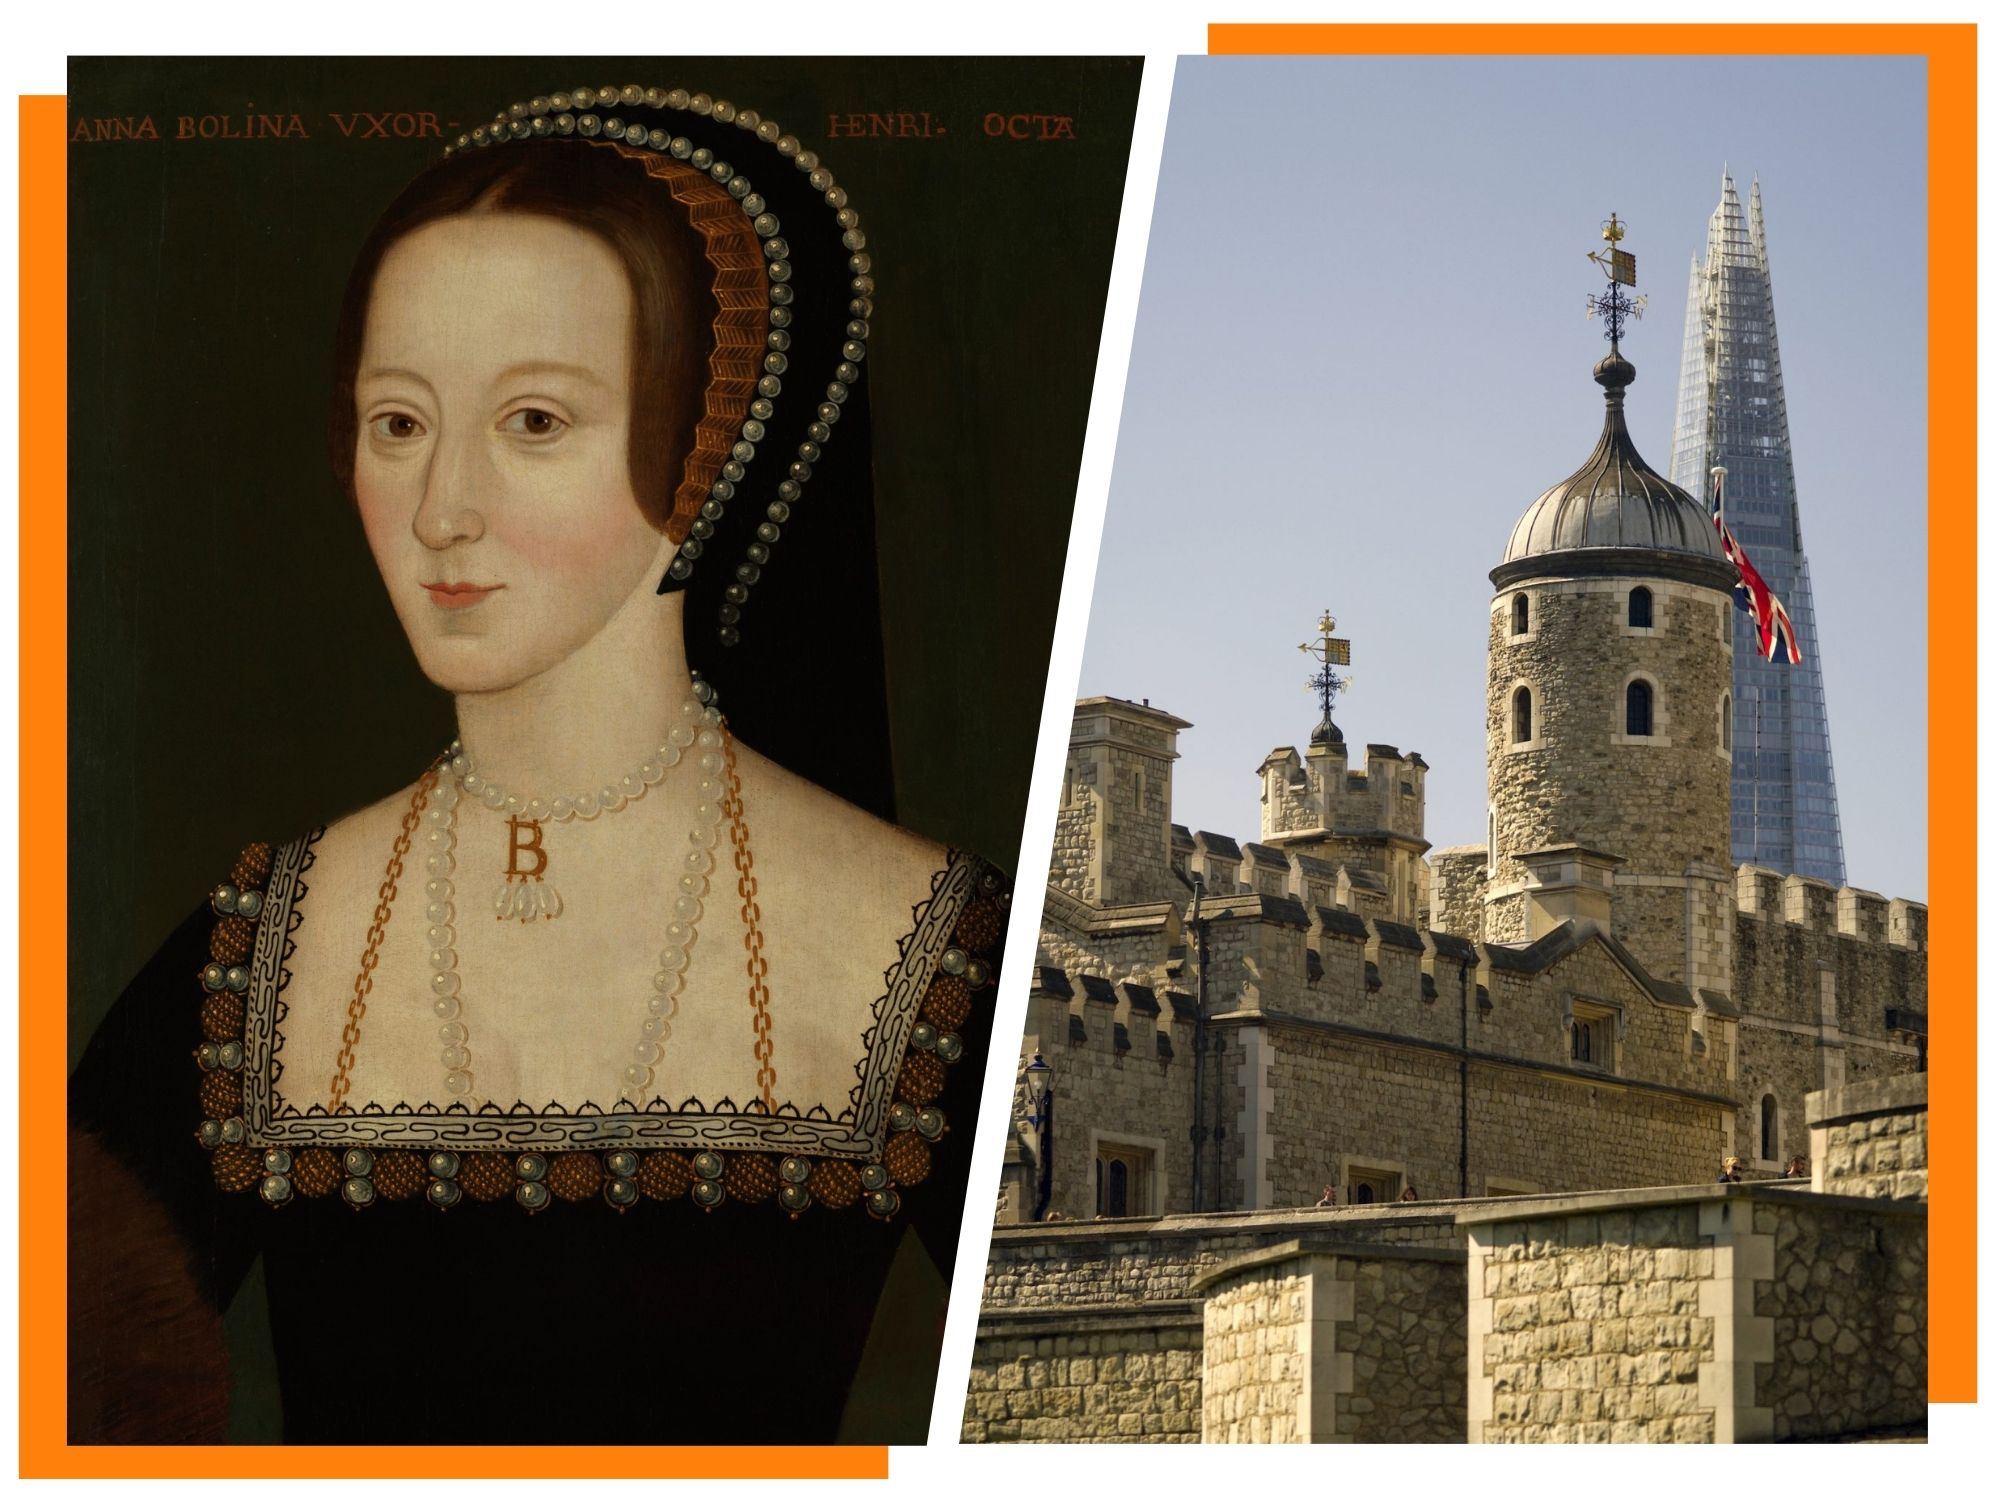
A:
524	895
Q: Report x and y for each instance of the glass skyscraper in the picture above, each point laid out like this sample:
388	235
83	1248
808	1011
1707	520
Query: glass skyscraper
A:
1784	812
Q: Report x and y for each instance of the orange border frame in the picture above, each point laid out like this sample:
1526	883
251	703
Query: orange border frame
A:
45	1452
1952	55
45	1448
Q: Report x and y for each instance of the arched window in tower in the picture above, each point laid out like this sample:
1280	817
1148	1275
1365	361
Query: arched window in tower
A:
1728	724
1520	614
1524	716
1579	1042
1639	708
1639	608
1767	1137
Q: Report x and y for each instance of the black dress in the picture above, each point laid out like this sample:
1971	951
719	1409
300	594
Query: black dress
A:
508	1277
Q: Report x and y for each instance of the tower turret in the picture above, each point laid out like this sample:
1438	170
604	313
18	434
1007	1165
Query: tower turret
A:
1368	821
1608	700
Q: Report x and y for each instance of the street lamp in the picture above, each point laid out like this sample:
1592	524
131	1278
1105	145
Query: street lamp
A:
1039	1099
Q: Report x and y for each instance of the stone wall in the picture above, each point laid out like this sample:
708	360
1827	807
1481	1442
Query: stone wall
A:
1355	1346
1589	1328
1071	865
1816	973
1092	1380
1094	1332
1849	1312
1384	1106
1092	1266
1458	877
1114	835
1408	1347
1716	1313
1661	805
1728	1313
1872	1139
1265	1366
1110	1082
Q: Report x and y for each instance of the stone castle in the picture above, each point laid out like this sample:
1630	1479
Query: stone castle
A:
1593	1000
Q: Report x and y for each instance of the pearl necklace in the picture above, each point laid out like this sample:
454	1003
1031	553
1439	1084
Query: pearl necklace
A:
586	805
525	894
662	1004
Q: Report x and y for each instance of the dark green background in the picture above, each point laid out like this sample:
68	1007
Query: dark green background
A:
236	672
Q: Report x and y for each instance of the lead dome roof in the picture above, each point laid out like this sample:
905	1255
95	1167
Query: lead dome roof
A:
1615	501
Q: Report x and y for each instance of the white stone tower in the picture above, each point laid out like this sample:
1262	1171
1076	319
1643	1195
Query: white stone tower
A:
1608	711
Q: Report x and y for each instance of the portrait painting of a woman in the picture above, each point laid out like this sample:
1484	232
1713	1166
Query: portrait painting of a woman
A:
578	1087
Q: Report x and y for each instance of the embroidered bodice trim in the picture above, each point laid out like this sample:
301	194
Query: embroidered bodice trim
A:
709	1152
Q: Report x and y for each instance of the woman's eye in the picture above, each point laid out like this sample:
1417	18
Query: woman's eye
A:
397	426
534	422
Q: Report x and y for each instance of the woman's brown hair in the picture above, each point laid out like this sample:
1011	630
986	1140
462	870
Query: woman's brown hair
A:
604	193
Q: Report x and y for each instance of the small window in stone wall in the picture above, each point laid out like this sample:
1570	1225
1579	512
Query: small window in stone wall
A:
1639	708
1728	723
1524	716
1373	1185
1580	1042
1520	614
1767	1134
1124	1181
1639	608
1591	1037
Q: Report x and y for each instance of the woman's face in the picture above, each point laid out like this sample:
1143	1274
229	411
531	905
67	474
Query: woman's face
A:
490	461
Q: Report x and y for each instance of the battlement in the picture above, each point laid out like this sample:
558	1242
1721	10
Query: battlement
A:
1320	797
1326	965
1801	901
1123	1020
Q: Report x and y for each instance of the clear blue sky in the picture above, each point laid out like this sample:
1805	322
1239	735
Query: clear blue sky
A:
1361	353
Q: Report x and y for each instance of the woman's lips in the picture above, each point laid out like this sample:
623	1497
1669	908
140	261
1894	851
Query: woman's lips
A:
460	595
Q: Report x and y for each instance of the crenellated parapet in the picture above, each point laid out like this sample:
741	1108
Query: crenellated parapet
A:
1369	820
1583	1021
1834	986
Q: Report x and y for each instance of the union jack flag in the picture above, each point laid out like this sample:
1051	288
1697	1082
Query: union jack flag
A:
1774	625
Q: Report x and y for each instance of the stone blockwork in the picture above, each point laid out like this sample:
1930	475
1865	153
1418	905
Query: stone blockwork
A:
1347	1039
1117	1263
1872	1139
1129	1050
1718	1313
1094	1331
1364	822
1345	1098
1730	1313
1849	1312
1820	975
1094	1380
1267	1360
1661	801
1588	1328
1114	839
1354	1346
1458	884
